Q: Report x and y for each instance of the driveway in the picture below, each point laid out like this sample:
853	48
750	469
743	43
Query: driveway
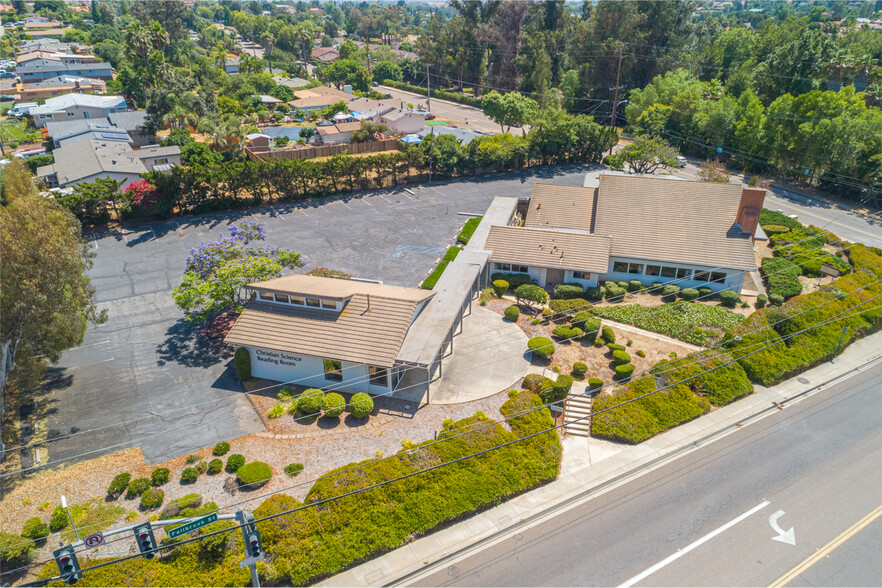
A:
148	378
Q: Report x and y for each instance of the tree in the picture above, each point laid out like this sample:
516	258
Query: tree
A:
531	293
386	70
46	298
368	131
509	109
217	272
307	133
645	155
713	171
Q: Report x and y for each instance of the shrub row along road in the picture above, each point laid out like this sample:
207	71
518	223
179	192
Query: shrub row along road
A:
710	517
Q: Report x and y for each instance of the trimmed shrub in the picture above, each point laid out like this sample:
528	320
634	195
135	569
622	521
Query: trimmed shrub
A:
640	353
159	476
655	288
276	411
512	313
59	519
333	405
215	466
192	458
614	292
514	280
580	319
137	487
292	469
594	384
591	328
189	475
310	402
635	285
615	347
622	284
152	499
608	335
595	294
580	369
35	530
119	484
285	395
561	388
242	361
567	333
361	405
531	293
567	291
221	448
541	347
254	474
689	294
624	371
500	287
669	294
761	300
234	462
728	298
621	357
14	553
704	292
201	467
568	308
537	384
776	299
707	375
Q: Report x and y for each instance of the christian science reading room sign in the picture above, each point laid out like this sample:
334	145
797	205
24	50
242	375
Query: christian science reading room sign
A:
276	358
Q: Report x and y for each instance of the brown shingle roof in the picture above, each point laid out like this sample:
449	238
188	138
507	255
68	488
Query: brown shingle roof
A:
545	248
338	289
671	220
561	207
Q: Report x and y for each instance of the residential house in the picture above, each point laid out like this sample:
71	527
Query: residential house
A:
133	122
318	98
334	334
76	106
85	161
60	85
118	126
231	65
38	69
293	83
54	33
269	101
258	141
335	134
403	122
629	227
325	54
49	45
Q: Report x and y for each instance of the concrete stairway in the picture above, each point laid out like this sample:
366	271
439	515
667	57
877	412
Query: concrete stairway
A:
578	407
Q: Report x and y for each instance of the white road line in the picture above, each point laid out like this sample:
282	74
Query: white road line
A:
344	204
277	212
89	345
681	552
124	238
364	199
152	231
96	243
408	191
384	198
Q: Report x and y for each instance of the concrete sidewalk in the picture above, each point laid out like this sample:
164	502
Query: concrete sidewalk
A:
579	473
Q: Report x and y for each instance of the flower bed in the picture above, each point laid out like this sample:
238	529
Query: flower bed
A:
687	321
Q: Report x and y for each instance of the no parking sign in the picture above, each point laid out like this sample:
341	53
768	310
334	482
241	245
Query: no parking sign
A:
94	540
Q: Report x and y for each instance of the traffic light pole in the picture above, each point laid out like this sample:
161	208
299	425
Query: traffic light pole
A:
246	531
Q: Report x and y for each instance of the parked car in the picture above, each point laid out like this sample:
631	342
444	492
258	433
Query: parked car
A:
6	75
375	84
681	161
430	116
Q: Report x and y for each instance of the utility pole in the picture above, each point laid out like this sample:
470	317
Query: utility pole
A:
428	90
612	122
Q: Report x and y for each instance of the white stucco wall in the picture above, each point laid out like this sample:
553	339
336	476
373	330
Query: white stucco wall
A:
307	370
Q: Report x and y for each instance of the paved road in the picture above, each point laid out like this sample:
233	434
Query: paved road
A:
458	113
816	462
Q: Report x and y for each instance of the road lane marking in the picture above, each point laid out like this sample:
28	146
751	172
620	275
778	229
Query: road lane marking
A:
681	552
788	536
824	551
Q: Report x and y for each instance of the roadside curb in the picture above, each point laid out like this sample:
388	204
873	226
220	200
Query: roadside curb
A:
430	552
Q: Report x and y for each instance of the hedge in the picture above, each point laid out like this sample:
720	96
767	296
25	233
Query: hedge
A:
773	217
639	420
254	474
221	448
621	357
361	405
595	294
570	307
234	462
310	402
514	280
512	313
541	347
624	371
614	292
242	361
333	405
608	335
782	277
500	287
580	369
137	487
567	291
119	483
433	277
152	499
159	476
776	299
439	94
669	293
711	377
594	384
468	230
729	299
689	294
635	286
560	389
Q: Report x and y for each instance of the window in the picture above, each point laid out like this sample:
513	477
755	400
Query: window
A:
282	298
266	295
87	114
313	302
329	304
160	161
620	266
581	276
297	300
635	268
653	270
379	376
669	272
701	276
718	277
70	114
507	267
683	273
333	370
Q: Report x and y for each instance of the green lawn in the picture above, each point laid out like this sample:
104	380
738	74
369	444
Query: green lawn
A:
13	130
687	321
432	278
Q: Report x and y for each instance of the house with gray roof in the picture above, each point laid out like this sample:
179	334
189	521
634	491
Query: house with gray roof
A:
87	160
77	106
41	69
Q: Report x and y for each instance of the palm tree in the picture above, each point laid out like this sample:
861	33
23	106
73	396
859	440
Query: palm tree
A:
267	41
179	117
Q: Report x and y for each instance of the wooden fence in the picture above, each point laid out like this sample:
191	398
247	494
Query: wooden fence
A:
325	150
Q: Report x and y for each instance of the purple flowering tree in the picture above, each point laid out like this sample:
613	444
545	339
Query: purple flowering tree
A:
218	271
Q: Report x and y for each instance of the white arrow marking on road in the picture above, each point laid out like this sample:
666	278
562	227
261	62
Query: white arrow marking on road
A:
789	536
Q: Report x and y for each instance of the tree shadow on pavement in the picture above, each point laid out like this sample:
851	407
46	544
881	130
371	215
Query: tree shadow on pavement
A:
188	345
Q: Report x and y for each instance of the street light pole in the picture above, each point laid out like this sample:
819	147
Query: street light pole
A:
73	526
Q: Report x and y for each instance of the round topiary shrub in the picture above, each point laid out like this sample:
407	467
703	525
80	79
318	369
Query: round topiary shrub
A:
616	347
234	462
595	294
201	467
14	553
728	298
152	499
761	300
705	292
221	448
159	476
537	384
310	402
137	487
620	357
580	319
622	284
512	313
669	294
561	388
292	469
624	371
608	335
594	384
254	474
689	294
541	347
635	285
59	519
361	405
776	299
189	475
656	288
119	484
500	287
580	369
242	361
35	530
614	292
333	405
215	466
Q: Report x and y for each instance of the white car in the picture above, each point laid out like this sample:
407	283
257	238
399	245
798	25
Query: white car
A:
681	161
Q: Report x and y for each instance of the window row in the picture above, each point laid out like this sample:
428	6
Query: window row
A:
299	300
377	376
581	276
664	271
508	267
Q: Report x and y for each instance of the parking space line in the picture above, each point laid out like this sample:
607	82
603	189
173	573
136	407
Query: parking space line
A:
277	212
384	198
364	199
344	204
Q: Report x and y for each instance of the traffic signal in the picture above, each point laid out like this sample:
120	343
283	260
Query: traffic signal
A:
145	540
68	566
252	538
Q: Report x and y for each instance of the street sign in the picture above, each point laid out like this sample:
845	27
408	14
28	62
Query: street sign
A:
250	560
192	526
719	149
829	270
94	540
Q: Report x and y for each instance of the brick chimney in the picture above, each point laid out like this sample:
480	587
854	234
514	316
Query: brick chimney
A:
749	209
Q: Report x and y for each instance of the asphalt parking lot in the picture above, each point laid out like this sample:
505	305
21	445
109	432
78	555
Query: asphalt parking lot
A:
147	378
